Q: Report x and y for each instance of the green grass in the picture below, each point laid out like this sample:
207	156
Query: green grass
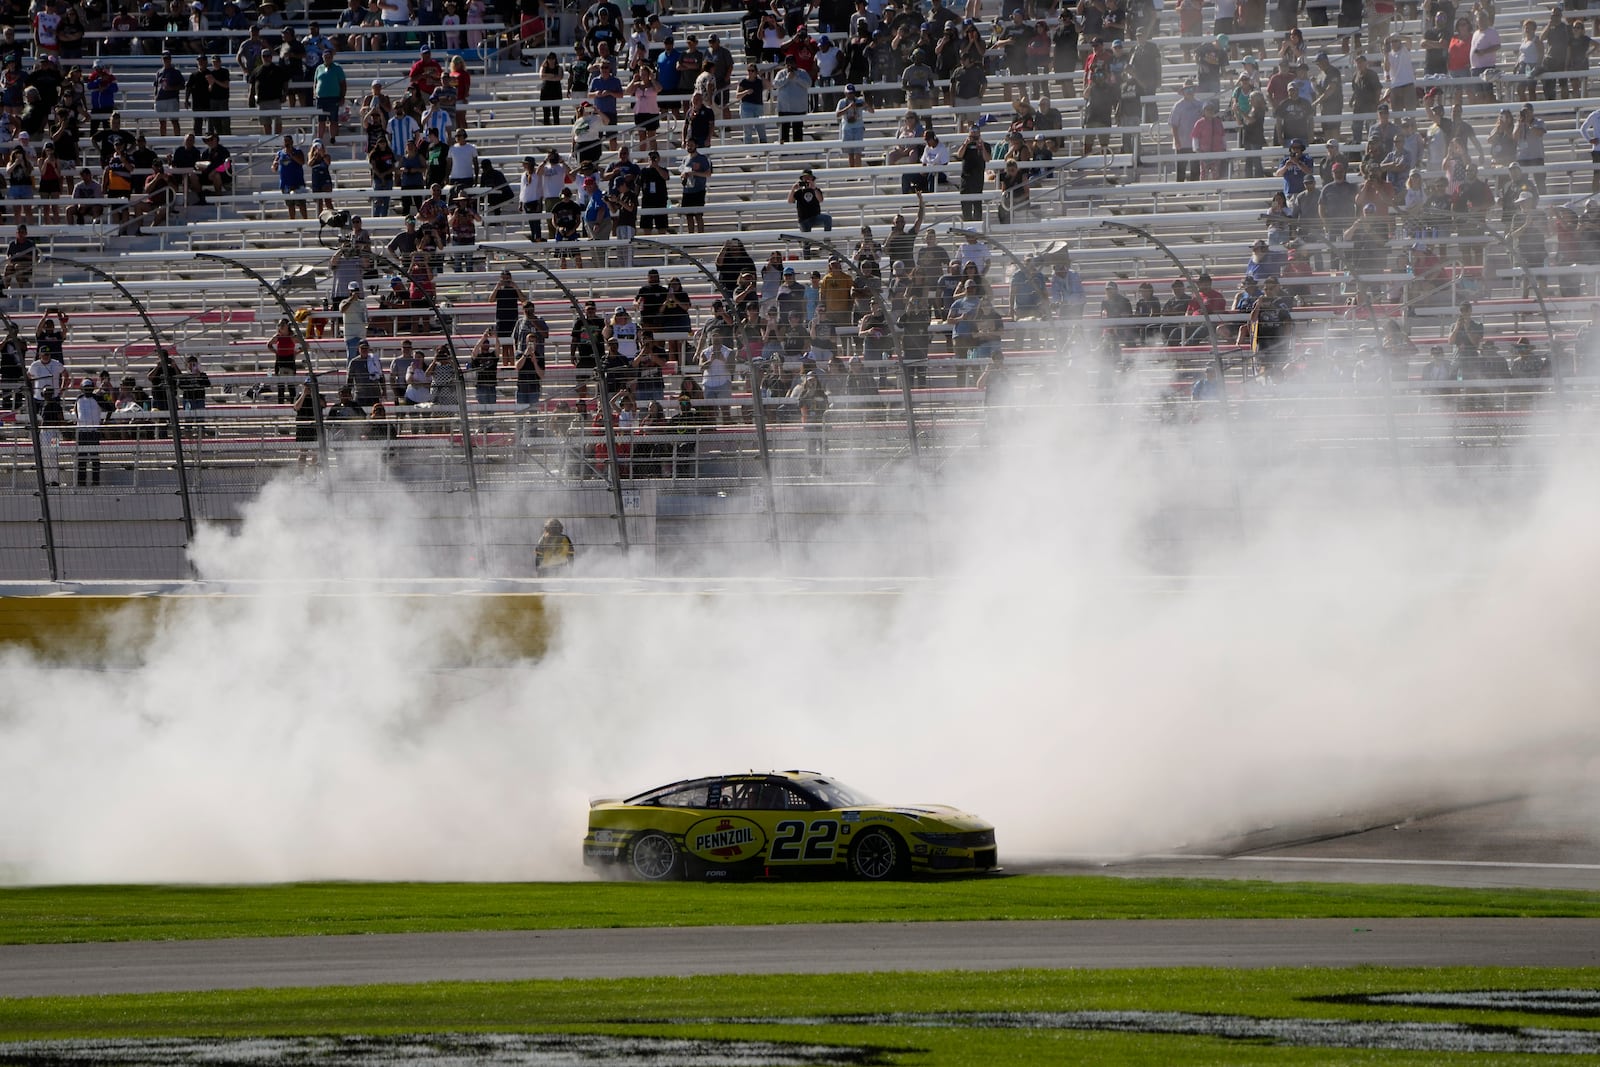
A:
129	913
641	1006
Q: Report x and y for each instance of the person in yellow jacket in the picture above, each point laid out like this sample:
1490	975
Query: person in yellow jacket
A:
554	552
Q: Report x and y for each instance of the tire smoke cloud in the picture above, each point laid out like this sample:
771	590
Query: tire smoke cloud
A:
1135	636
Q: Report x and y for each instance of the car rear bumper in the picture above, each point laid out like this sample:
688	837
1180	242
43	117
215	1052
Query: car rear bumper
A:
604	853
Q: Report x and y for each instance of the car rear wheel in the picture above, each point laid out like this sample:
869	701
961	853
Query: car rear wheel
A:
877	855
654	858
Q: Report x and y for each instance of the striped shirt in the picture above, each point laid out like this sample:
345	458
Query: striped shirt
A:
401	129
441	120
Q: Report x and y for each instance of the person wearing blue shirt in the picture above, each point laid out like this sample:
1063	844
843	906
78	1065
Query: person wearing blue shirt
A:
1245	299
168	84
667	74
622	169
103	89
605	88
1264	263
290	165
696	169
1294	169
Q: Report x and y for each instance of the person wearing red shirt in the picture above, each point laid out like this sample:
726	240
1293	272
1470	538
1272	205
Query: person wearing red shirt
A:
1100	53
283	345
1278	85
1205	301
804	50
425	72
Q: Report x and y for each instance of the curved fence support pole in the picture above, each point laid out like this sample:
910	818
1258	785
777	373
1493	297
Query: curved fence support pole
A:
698	263
1216	356
466	423
1211	330
300	335
169	374
607	420
1023	267
42	481
911	416
1509	239
758	409
1386	378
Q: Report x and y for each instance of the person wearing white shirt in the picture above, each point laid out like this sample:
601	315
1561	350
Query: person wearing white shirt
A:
1485	45
716	375
46	21
827	60
45	373
463	160
529	196
1227	12
935	158
553	176
419	382
90	415
394	13
355	316
1185	113
1401	74
1590	129
974	251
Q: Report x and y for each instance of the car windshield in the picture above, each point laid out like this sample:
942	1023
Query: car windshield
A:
838	795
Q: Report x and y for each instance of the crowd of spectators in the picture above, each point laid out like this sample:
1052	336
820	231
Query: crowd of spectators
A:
1392	178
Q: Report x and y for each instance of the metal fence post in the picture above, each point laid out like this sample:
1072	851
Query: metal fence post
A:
603	388
466	424
34	431
911	415
758	408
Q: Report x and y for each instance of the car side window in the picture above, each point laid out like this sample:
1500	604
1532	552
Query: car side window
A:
690	796
778	796
742	796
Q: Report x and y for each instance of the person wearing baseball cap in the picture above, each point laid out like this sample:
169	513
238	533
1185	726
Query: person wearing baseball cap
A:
850	114
1180	120
426	73
169	83
354	313
87	433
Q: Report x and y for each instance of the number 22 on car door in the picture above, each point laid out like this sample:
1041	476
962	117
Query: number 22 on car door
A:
799	841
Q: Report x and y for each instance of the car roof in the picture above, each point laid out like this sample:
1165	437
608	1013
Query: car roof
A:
737	776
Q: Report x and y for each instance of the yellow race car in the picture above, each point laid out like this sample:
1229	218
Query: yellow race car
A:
758	825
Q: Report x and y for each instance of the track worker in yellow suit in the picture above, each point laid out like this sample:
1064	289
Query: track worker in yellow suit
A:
554	553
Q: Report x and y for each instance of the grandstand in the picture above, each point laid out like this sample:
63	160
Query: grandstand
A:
1018	280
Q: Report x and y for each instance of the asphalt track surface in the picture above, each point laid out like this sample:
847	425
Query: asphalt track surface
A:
985	946
1513	842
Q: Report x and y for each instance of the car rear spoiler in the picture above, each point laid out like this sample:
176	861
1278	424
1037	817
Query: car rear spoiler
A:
595	802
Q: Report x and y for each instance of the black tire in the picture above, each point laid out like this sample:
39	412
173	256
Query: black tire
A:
878	855
653	857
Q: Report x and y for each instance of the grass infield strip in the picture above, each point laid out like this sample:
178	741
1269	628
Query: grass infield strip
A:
659	1006
156	913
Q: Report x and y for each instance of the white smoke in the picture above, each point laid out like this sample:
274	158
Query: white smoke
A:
1138	636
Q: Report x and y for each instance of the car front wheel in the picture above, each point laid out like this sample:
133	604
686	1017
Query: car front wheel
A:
877	855
654	858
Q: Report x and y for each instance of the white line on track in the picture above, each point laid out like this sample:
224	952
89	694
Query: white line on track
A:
1376	861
